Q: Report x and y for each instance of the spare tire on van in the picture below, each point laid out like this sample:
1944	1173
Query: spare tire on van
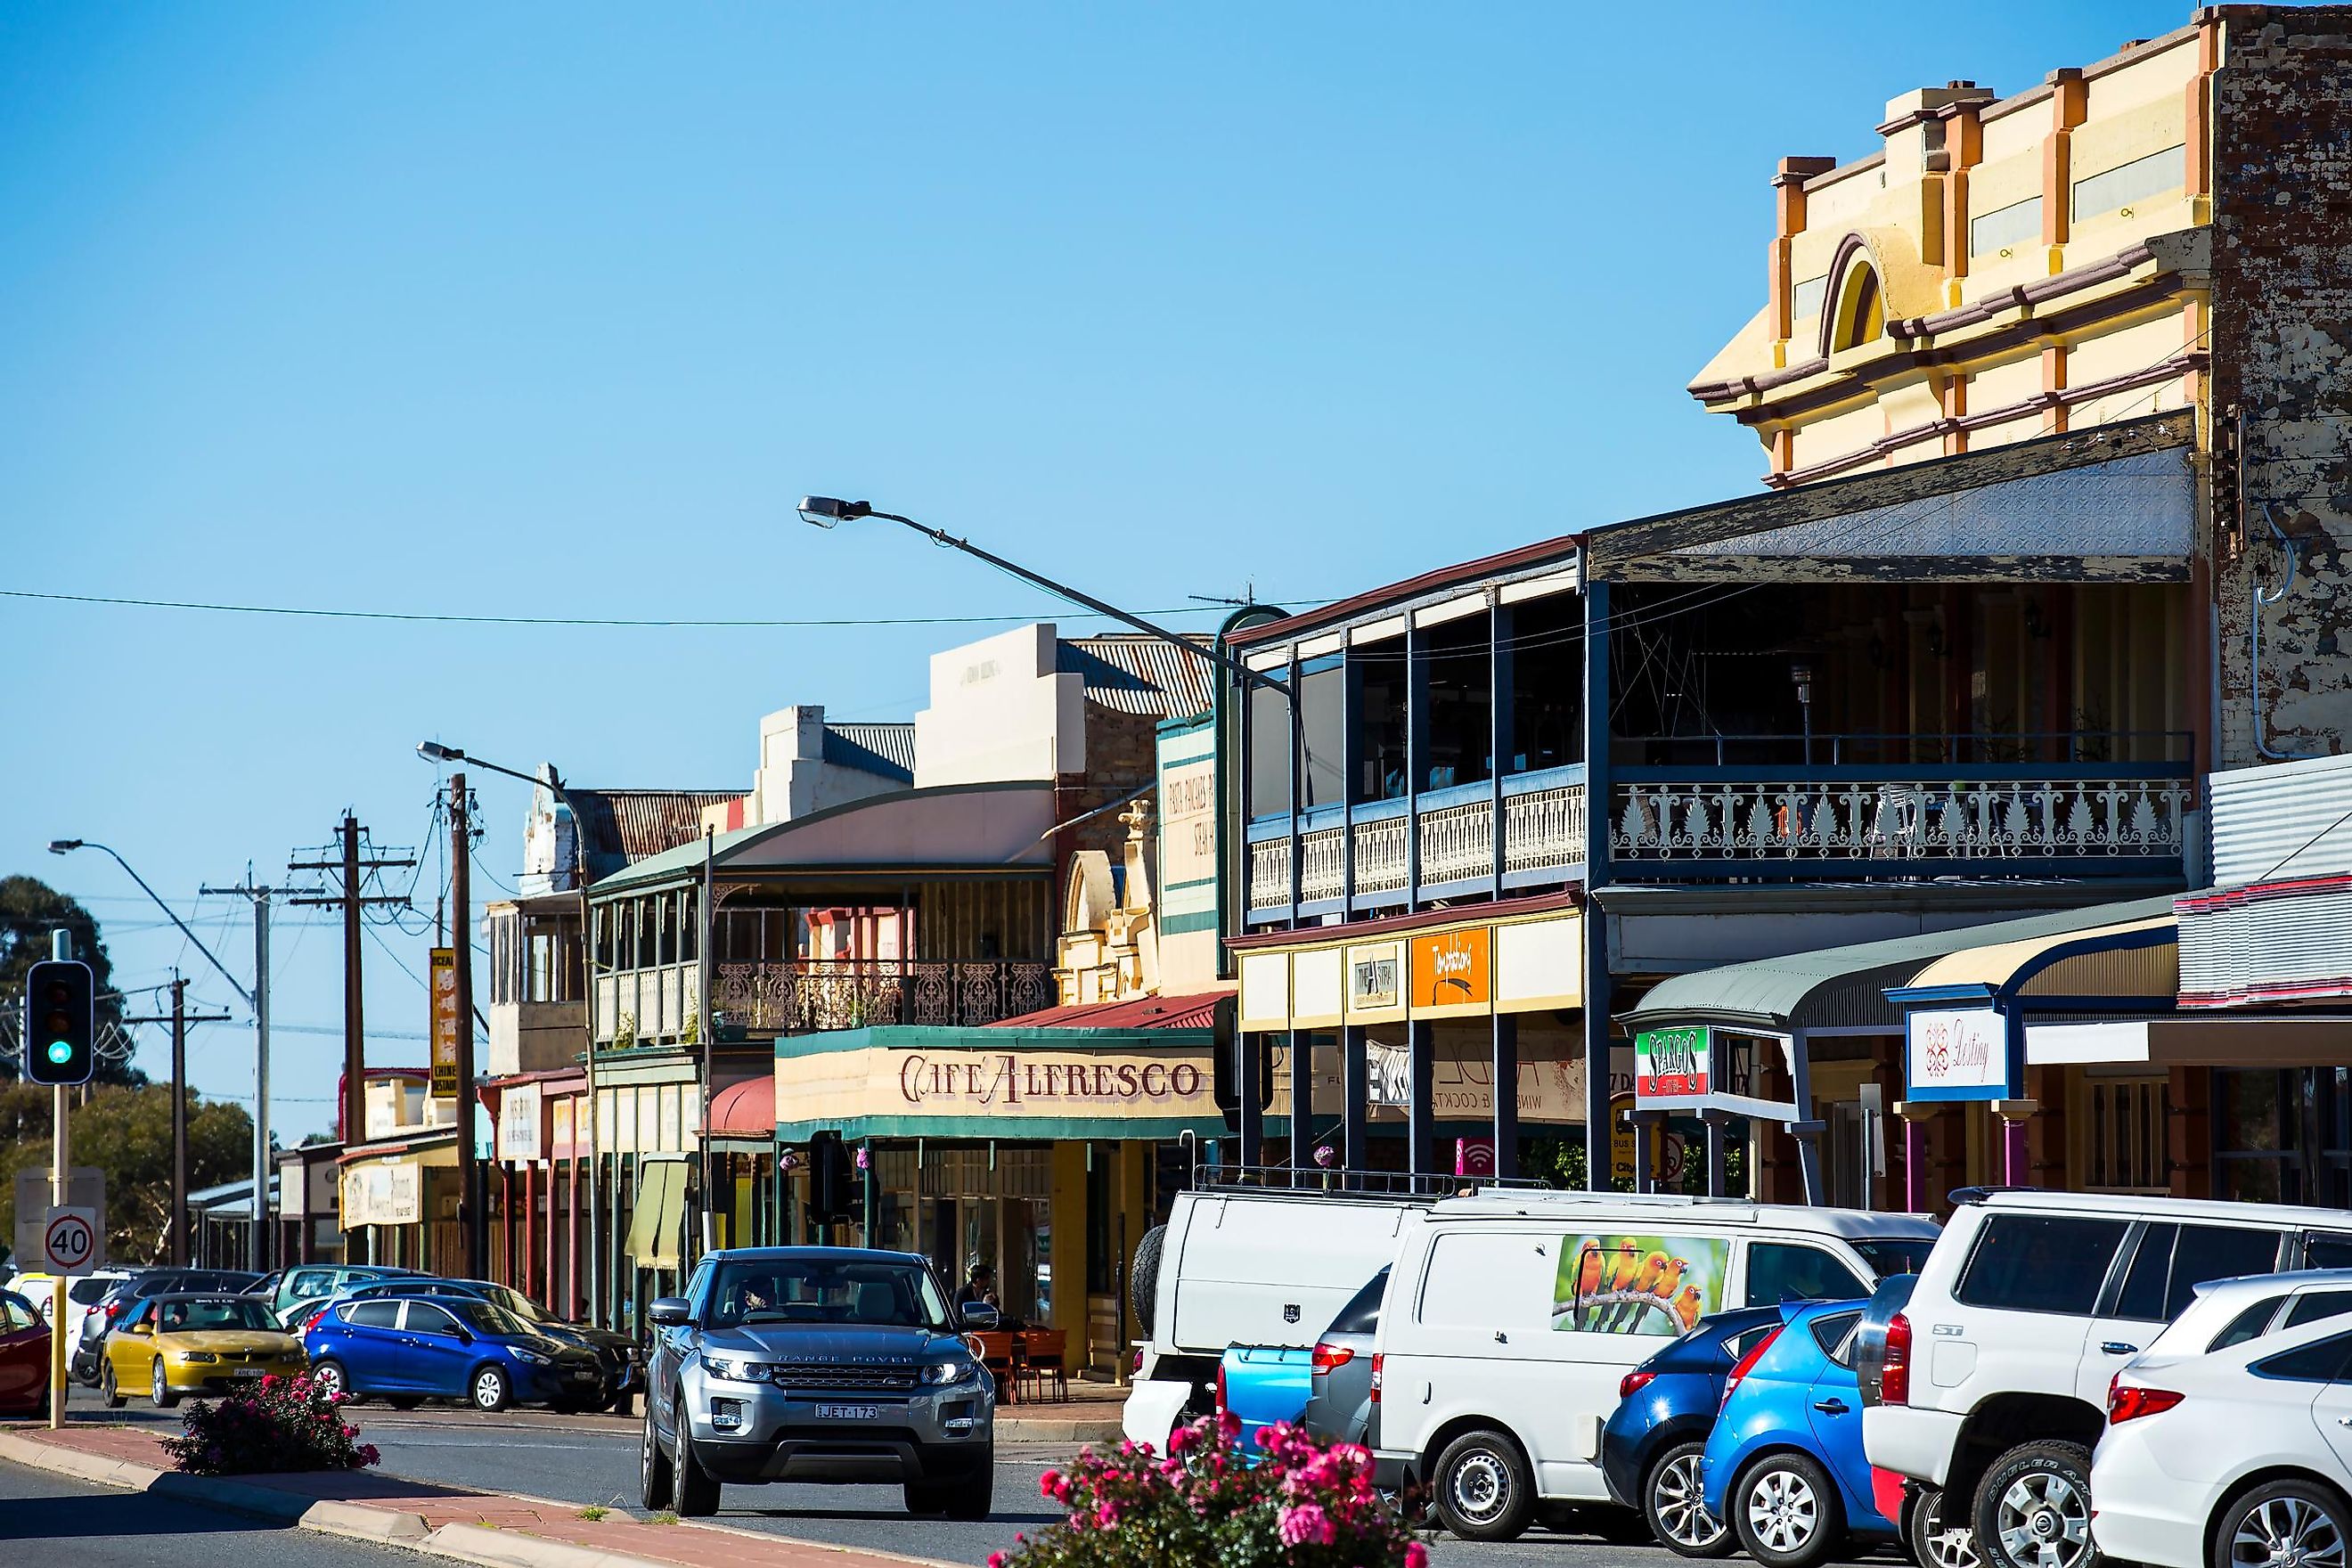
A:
1143	1280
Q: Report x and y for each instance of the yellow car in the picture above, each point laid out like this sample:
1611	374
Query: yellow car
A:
172	1345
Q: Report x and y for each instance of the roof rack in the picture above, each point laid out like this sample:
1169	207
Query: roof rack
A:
1979	1195
1353	1184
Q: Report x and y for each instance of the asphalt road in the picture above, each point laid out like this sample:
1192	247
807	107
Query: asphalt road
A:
62	1523
593	1459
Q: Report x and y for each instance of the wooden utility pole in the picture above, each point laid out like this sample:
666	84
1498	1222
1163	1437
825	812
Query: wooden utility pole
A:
470	1205
354	898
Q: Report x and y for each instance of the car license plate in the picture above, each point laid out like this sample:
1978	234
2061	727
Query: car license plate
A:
848	1411
584	1374
248	1372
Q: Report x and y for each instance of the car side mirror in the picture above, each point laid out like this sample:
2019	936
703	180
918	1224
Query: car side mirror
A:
669	1311
981	1317
142	1327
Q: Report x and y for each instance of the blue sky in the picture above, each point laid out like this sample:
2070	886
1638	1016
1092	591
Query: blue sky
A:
555	310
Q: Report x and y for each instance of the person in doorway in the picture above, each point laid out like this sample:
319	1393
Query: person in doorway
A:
978	1286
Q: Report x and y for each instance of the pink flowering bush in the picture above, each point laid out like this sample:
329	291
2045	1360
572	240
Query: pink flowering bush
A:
1204	1503
279	1424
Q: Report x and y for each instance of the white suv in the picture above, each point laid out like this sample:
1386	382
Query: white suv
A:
1992	1384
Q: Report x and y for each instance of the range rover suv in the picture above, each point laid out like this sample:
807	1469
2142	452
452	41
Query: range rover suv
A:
817	1364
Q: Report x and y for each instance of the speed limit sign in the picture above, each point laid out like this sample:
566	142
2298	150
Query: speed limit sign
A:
69	1236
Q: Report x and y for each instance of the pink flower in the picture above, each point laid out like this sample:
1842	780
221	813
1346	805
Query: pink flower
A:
1182	1438
1053	1487
1304	1525
1416	1555
1105	1514
996	1560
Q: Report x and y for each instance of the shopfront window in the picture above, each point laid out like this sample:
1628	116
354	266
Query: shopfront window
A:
2253	1116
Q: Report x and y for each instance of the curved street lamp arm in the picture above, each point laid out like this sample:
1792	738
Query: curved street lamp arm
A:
193	940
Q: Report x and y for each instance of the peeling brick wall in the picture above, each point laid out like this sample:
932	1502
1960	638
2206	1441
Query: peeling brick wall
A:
2282	347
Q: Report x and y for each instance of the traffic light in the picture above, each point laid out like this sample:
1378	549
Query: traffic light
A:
60	1022
830	1178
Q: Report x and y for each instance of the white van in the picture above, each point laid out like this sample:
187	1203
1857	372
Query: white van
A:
1511	1317
1244	1266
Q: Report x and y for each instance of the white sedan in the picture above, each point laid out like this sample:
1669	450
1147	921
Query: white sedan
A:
2236	1455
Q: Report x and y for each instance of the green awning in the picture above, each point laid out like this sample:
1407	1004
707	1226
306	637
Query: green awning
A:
1845	987
658	1215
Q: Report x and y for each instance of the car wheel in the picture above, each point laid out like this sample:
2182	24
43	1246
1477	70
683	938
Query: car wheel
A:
2033	1508
654	1482
974	1498
1785	1508
490	1391
2300	1521
106	1386
159	1386
1672	1502
694	1493
1483	1489
1937	1540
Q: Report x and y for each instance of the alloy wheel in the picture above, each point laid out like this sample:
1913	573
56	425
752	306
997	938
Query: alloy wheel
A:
2287	1532
159	1386
1480	1487
330	1378
1680	1505
1782	1511
488	1390
2044	1521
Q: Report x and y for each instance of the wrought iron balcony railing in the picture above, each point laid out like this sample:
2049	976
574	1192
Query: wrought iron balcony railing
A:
809	996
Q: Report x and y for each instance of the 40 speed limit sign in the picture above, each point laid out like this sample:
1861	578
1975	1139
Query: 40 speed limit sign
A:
70	1238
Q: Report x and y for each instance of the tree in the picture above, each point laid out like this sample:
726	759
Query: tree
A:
126	1132
29	910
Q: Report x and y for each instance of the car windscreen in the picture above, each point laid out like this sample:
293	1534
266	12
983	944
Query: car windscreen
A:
826	1290
89	1292
517	1303
484	1318
1891	1256
212	1314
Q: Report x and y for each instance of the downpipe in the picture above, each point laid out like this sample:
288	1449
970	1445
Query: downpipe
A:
2262	600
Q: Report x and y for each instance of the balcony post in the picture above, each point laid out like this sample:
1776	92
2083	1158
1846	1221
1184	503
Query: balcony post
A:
1298	746
1302	1101
1500	742
1421	1124
1599	1154
1355	1085
1416	753
1249	1104
1351	704
1507	1094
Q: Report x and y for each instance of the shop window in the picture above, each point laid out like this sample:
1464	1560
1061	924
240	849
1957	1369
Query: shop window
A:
2253	1141
1546	690
1099	1233
1380	757
1457	683
2127	1149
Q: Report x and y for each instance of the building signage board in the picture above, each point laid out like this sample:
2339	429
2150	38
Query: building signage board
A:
445	1023
519	1123
389	1193
1957	1052
1452	970
1373	979
950	1088
1187	823
1674	1064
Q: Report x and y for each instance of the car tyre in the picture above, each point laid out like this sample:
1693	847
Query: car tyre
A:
1143	1278
1676	1512
1785	1508
2033	1508
654	1483
490	1390
974	1497
159	1386
2298	1521
107	1387
1936	1540
694	1491
331	1376
1482	1488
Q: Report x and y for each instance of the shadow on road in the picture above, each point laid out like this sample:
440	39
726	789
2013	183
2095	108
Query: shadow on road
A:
70	1516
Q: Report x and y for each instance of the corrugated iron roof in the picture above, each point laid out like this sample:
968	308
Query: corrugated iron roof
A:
619	827
872	748
1131	673
1195	1011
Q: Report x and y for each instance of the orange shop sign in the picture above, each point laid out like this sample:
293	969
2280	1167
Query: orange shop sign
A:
1454	969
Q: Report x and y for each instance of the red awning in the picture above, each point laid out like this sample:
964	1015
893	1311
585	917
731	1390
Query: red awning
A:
1195	1011
746	1109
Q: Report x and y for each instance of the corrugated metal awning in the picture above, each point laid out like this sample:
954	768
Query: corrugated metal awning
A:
2137	958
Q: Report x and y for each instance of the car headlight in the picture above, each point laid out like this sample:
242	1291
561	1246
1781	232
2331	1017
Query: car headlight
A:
524	1353
206	1357
735	1369
945	1374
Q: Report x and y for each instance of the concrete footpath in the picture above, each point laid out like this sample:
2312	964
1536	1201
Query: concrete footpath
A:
485	1528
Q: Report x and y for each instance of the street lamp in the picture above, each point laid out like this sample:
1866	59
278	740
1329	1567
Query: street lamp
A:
435	751
179	1068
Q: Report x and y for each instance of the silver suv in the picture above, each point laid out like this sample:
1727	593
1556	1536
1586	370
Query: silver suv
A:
817	1364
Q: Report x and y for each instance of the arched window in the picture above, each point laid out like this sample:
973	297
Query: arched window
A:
1861	312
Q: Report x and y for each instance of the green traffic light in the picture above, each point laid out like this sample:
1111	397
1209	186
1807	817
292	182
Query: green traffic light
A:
60	1052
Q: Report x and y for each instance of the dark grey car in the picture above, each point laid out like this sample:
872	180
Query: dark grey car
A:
1339	1406
817	1364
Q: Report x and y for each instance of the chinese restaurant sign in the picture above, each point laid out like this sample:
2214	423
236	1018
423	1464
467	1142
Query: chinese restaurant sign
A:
445	1023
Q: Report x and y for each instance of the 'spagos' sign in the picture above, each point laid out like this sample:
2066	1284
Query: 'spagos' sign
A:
1671	1063
1957	1054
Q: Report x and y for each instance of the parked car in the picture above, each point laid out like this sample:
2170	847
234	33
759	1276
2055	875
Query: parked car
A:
1339	1407
24	1357
114	1308
1512	1317
409	1351
194	1343
288	1289
83	1292
1261	1385
2226	1312
1651	1447
1246	1265
1991	1383
622	1362
815	1364
1784	1464
2240	1454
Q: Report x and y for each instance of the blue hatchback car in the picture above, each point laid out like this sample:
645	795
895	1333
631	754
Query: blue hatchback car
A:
1650	1449
1784	1464
412	1350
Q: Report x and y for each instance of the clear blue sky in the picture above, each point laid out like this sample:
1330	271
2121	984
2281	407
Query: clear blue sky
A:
555	310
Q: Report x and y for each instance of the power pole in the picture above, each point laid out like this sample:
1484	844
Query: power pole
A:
260	897
470	1204
179	1020
354	898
